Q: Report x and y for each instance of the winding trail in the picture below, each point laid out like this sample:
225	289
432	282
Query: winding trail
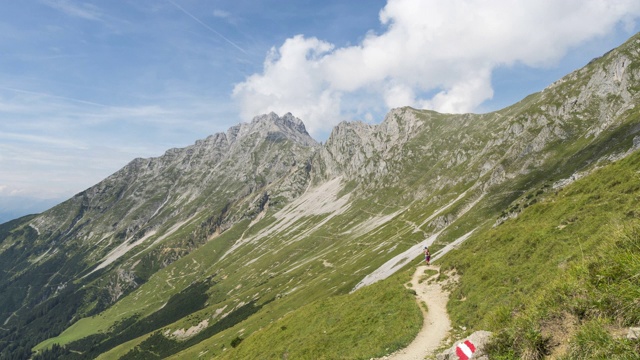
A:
436	324
399	261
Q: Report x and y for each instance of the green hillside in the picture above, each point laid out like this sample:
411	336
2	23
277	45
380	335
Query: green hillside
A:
564	276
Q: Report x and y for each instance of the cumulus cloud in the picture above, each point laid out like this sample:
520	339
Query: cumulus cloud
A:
432	54
292	81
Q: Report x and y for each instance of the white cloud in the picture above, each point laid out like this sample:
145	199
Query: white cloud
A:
52	141
85	11
399	95
463	95
292	81
433	54
221	14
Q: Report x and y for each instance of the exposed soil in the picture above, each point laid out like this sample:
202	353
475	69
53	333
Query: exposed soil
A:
436	324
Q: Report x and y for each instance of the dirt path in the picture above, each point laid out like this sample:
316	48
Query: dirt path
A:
436	324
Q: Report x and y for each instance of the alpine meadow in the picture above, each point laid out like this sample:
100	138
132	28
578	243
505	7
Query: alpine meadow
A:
262	243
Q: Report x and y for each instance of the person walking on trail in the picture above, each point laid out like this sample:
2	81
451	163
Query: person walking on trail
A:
427	255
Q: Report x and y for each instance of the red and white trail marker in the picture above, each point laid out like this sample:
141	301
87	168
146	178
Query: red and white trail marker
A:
465	350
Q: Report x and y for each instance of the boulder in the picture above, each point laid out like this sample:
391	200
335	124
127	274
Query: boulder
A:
479	339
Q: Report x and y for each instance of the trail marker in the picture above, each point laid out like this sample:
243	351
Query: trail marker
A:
465	350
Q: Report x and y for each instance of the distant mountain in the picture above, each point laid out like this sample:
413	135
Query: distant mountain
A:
191	253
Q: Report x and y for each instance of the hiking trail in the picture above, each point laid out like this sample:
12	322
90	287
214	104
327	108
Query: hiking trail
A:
436	324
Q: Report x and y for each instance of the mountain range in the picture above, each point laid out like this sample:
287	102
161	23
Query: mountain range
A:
198	252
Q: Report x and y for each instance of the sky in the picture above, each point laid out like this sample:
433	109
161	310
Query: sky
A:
87	86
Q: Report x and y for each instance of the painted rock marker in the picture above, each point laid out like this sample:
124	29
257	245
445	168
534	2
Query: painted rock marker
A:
465	350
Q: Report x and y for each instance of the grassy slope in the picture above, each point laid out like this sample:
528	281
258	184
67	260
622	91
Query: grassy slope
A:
370	322
264	279
150	297
507	269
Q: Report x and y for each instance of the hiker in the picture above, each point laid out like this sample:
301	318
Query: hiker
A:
427	255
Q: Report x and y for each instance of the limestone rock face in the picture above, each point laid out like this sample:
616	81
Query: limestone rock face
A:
357	150
233	174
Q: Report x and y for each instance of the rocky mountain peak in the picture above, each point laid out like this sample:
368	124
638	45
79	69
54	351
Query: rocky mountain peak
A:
286	121
356	149
274	128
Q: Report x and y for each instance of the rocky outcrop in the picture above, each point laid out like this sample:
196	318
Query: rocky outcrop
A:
478	339
357	150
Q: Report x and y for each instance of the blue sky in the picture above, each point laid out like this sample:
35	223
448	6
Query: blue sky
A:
86	86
